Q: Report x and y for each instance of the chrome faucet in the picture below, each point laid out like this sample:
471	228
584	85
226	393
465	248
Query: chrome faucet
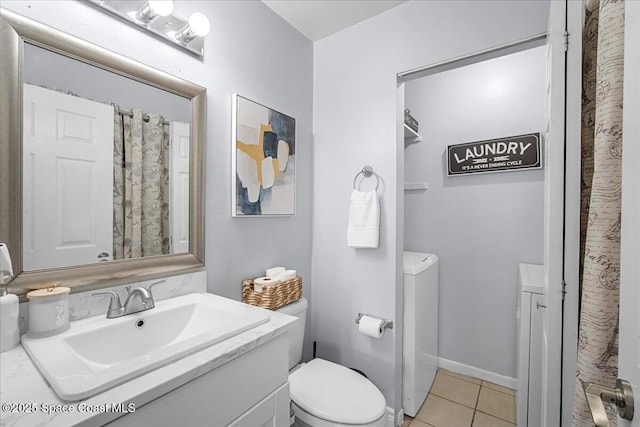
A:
138	299
146	301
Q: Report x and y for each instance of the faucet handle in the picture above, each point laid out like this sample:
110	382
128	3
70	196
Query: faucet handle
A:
115	306
149	287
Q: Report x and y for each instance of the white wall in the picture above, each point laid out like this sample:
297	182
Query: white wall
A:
251	51
481	226
355	123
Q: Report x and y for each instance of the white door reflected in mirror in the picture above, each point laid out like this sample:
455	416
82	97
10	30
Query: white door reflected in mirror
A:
68	179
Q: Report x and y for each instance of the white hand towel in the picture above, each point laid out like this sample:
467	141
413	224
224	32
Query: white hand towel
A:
364	220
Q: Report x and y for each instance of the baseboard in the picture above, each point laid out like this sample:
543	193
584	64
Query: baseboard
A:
472	371
392	420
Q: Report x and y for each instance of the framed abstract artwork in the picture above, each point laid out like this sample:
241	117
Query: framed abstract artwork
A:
263	160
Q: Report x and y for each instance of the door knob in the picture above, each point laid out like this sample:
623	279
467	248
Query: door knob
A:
621	396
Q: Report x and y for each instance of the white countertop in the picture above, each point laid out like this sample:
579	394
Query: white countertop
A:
26	397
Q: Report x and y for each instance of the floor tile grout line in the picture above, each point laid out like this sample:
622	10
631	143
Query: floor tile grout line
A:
495	416
463	377
459	377
499	391
475	409
472	419
423	422
458	403
492	416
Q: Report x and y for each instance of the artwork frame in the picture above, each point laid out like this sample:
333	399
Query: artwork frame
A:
263	160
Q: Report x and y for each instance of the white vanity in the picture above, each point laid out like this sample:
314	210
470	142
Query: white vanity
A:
239	381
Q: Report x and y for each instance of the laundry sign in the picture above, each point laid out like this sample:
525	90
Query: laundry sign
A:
495	155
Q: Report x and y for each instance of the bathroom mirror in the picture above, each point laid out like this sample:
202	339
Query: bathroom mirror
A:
98	182
52	202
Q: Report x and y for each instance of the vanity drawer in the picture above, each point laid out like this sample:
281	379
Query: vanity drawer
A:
270	412
221	396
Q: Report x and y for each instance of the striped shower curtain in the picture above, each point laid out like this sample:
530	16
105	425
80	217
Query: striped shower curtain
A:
602	87
141	185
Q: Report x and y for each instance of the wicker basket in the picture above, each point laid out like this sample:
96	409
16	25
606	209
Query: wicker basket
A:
275	296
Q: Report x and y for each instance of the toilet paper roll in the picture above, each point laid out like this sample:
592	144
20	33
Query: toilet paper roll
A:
287	275
274	271
371	326
260	282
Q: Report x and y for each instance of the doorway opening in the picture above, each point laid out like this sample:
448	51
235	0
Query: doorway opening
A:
482	226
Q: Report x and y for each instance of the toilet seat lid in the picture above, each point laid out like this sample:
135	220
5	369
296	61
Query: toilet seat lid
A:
335	393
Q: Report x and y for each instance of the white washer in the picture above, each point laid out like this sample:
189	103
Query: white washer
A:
420	336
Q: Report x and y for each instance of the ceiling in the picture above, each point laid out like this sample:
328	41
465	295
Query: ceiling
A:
317	19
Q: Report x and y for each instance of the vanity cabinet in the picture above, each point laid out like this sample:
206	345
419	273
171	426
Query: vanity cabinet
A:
273	411
250	390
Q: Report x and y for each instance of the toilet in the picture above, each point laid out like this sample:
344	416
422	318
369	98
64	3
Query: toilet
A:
325	394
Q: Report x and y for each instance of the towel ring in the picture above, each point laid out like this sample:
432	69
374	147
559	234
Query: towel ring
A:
367	171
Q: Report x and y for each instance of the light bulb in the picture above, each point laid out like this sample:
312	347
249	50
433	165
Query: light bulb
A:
161	7
152	9
199	23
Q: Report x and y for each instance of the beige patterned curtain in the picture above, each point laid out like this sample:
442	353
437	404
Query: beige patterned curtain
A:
602	74
141	185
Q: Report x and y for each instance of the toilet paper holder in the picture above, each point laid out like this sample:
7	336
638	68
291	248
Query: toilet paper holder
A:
386	324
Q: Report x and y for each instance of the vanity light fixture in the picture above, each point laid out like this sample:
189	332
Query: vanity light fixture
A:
157	17
198	26
154	8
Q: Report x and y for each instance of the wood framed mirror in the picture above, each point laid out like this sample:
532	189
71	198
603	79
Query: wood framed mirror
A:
20	35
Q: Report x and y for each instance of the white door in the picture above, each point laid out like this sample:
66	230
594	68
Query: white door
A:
629	339
179	187
68	180
554	145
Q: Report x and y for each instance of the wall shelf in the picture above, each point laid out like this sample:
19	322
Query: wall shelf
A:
416	186
410	135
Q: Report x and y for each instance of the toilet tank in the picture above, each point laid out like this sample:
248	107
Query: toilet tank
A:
296	329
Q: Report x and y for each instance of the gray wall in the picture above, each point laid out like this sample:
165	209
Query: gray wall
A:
481	226
96	84
253	52
356	106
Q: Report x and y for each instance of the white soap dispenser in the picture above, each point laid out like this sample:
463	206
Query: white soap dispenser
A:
9	330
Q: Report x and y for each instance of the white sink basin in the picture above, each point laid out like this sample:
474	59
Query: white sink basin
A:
98	353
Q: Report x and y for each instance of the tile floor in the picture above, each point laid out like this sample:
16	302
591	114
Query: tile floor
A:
460	401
